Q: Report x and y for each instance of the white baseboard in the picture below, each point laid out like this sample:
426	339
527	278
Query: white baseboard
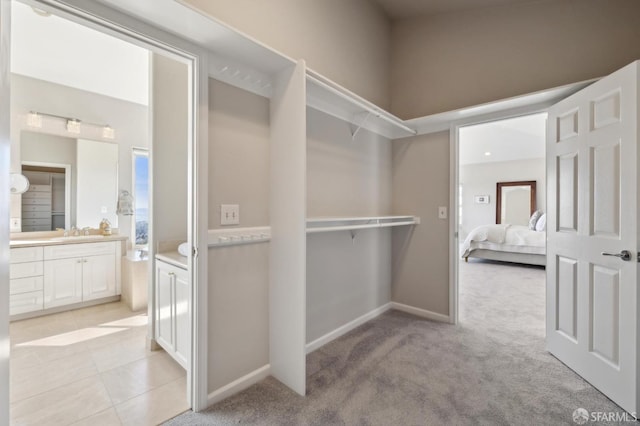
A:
321	341
239	385
420	312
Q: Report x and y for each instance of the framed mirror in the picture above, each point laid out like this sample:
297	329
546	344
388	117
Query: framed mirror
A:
515	202
73	182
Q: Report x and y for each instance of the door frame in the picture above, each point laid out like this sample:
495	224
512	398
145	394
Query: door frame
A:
127	28
454	179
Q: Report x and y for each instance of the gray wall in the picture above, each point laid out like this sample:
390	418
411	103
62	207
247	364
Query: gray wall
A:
347	41
169	149
239	135
421	253
346	278
453	60
481	179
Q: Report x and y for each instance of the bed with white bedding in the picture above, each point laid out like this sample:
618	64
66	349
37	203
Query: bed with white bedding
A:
507	243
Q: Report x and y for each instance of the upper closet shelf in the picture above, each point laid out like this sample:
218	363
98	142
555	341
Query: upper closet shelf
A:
329	224
333	99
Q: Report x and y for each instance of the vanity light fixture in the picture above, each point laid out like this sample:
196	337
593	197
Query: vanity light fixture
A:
73	126
108	132
34	120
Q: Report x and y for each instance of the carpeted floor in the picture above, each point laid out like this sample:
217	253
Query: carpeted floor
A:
399	369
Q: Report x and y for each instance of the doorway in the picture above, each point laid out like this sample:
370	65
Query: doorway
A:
501	223
107	344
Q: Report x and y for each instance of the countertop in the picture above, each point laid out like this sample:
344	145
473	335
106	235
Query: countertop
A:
174	258
50	241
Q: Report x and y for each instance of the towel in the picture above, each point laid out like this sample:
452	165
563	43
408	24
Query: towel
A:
184	249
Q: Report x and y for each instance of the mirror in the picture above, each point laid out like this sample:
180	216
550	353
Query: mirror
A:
73	182
515	202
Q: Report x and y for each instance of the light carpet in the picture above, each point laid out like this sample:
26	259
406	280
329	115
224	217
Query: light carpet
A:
490	369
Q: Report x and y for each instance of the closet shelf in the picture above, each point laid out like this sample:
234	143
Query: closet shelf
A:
330	224
326	96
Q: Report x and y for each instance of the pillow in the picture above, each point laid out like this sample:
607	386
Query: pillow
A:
534	219
541	224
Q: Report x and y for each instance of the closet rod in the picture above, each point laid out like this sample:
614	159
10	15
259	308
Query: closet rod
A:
378	113
354	227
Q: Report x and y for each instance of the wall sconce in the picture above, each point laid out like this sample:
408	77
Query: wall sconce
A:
73	126
34	120
108	132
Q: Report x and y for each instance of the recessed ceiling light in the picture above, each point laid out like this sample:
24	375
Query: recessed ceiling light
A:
487	153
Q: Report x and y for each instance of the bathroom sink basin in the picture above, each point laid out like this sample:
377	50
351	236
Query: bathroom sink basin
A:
79	238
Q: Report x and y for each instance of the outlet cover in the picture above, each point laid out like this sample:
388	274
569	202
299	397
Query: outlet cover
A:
229	214
442	212
15	224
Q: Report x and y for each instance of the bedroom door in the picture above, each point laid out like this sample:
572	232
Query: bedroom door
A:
592	234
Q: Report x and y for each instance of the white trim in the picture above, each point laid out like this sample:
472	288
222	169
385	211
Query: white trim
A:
454	223
342	330
420	312
239	385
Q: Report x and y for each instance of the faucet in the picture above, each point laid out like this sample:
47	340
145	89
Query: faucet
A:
85	230
74	231
65	233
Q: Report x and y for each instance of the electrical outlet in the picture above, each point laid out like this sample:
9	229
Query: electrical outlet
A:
15	224
229	214
104	209
442	212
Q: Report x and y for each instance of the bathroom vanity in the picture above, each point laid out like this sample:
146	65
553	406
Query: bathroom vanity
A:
54	274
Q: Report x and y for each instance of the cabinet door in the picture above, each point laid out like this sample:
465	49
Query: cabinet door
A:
182	318
62	282
164	307
98	277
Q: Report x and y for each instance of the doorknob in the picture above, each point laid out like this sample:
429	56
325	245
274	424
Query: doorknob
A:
624	255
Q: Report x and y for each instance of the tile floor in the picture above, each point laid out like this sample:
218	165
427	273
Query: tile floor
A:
90	367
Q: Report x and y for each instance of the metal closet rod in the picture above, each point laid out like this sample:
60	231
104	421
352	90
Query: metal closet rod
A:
378	113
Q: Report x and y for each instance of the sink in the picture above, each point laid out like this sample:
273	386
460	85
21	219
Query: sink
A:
79	238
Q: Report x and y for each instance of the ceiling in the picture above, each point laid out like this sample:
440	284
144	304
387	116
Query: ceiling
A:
53	49
398	9
506	140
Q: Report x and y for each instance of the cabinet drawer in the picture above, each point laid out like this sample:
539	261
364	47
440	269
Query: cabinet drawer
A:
23	270
25	285
26	302
39	188
35	208
41	195
38	201
36	215
37	222
79	250
25	254
33	228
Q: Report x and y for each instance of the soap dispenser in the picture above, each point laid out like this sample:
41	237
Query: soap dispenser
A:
105	227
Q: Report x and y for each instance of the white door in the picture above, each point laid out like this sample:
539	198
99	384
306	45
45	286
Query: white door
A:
62	282
592	199
98	277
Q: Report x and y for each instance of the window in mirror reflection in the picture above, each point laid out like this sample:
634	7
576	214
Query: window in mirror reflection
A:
141	198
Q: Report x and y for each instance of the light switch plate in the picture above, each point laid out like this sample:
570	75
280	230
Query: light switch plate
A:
442	212
229	214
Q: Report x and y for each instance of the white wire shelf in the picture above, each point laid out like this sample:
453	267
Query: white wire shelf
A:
331	224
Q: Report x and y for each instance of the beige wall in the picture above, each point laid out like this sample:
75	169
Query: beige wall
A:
238	154
239	134
454	60
347	41
420	254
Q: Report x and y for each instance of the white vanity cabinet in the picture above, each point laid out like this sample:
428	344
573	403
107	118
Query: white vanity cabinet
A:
173	332
26	280
76	273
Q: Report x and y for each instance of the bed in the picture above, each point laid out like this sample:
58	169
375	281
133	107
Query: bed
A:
506	243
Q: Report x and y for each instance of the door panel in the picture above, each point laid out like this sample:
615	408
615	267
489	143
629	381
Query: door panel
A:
592	184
